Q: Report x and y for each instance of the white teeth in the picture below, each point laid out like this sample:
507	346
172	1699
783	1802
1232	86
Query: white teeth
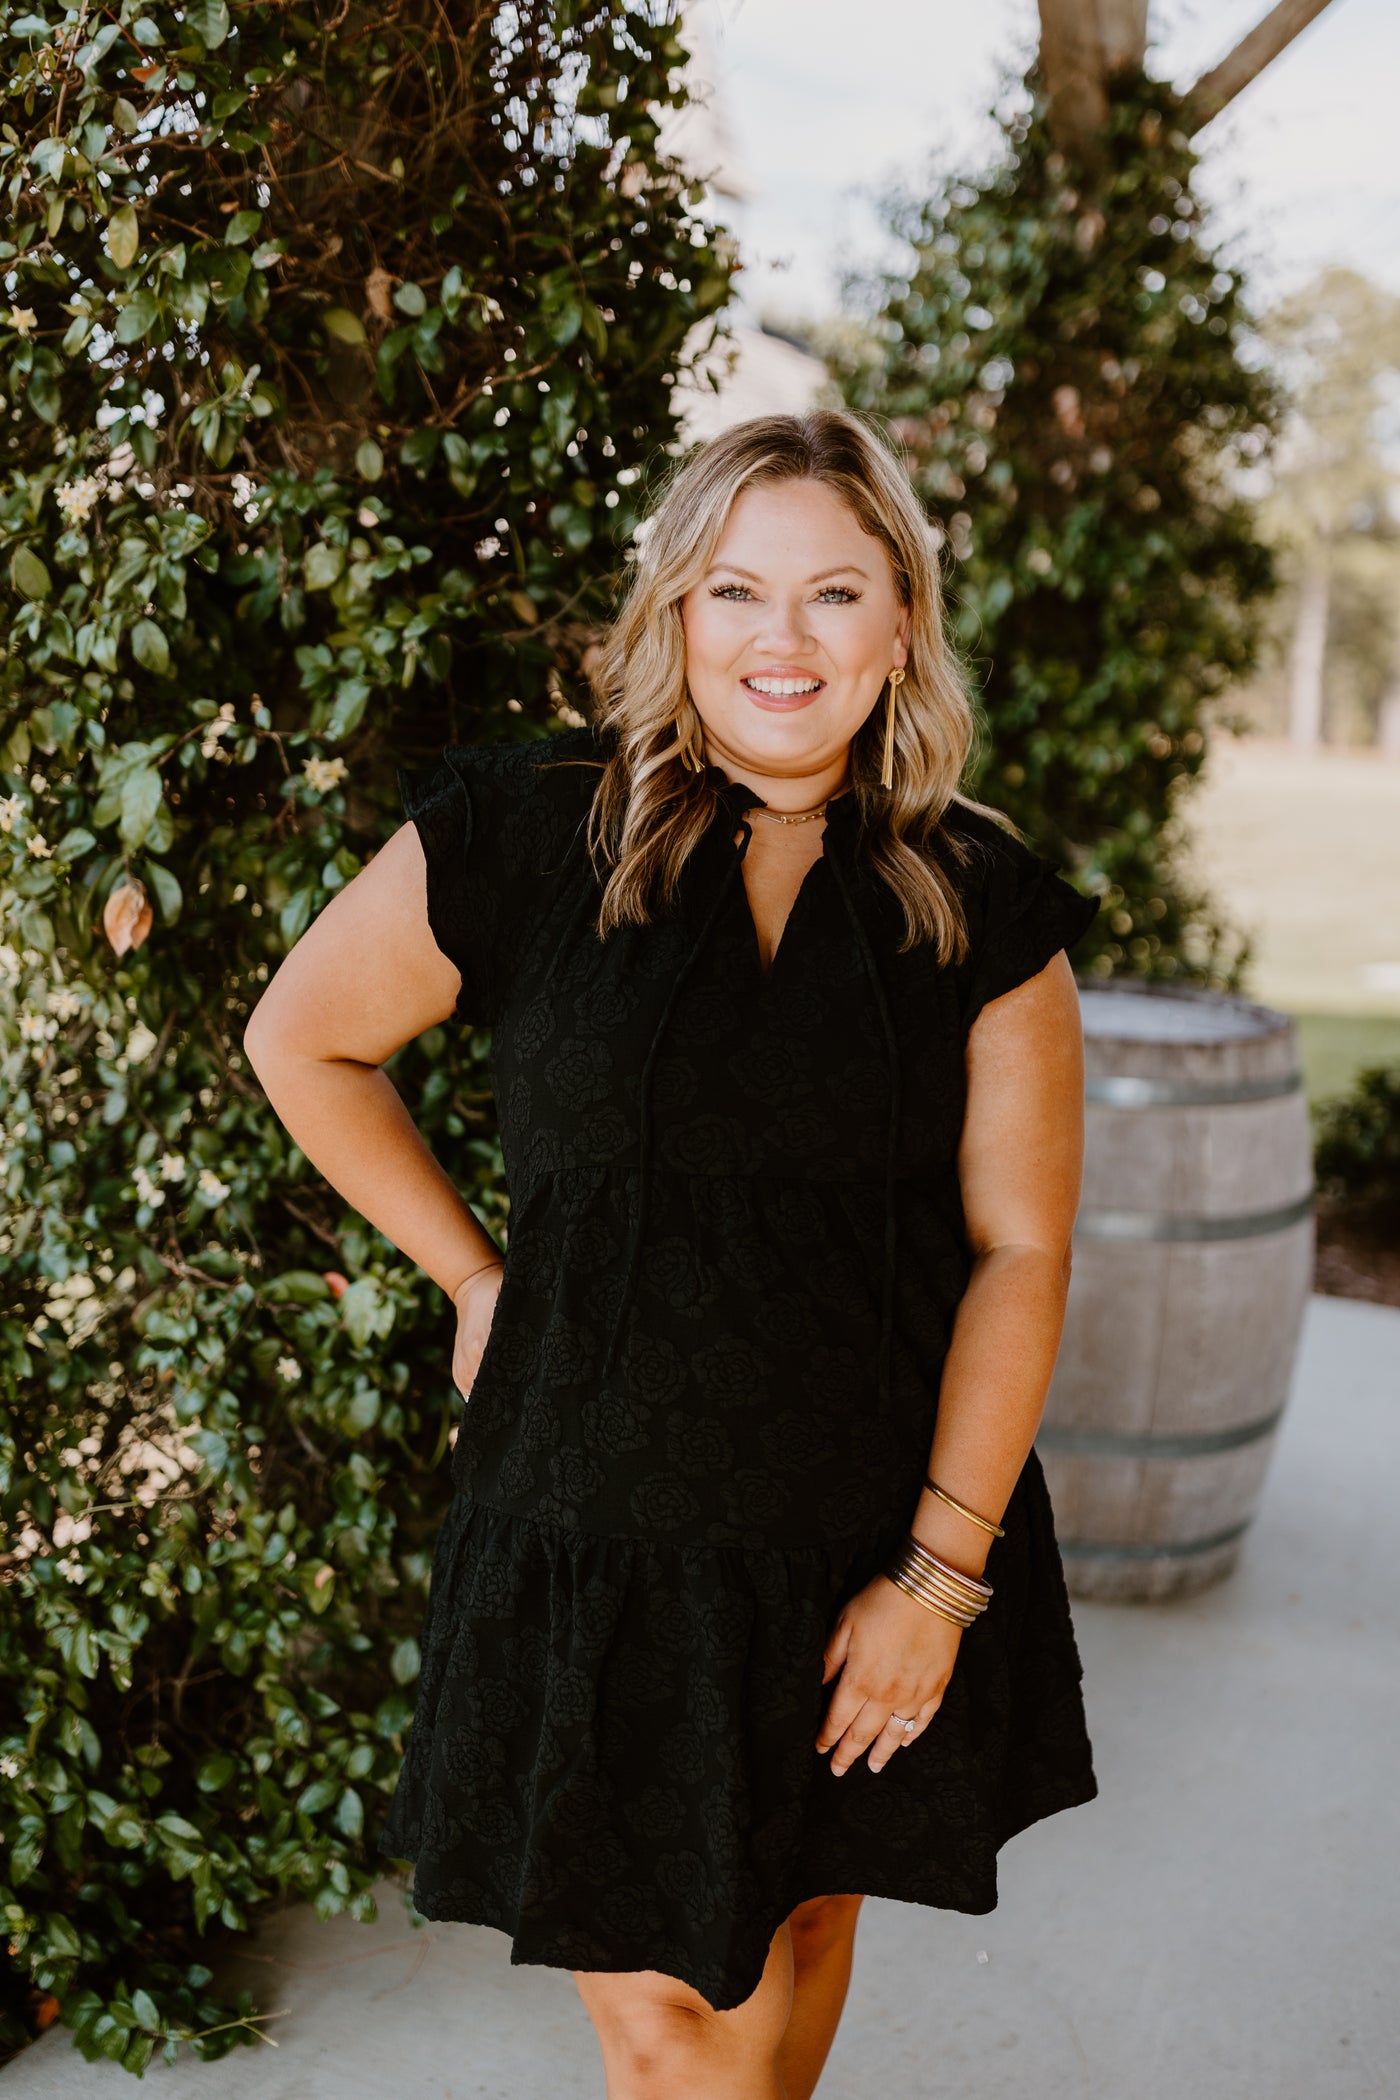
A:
783	688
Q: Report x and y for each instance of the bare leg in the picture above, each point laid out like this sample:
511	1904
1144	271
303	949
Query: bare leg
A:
662	2041
823	1942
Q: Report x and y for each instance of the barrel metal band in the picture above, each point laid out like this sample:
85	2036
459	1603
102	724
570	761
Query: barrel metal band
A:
1161	1549
1115	1443
1170	1225
1121	1090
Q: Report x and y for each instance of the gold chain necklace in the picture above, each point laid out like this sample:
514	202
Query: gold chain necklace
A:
802	816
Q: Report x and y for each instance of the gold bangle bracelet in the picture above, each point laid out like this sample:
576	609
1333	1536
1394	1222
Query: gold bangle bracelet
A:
940	1587
975	1583
997	1530
909	1591
926	1597
943	1588
965	1610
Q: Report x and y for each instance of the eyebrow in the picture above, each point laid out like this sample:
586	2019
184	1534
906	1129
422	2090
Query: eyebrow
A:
845	568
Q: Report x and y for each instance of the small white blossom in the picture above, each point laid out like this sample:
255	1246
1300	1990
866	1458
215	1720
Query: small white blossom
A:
22	319
35	1029
72	1570
211	1186
78	499
38	845
38	784
288	1368
140	1043
322	774
146	1188
172	1167
11	810
64	1003
9	1767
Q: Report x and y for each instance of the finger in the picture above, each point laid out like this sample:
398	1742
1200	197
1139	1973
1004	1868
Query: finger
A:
836	1649
859	1735
891	1736
845	1703
920	1716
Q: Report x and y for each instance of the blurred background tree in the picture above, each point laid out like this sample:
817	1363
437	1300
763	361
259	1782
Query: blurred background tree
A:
1069	365
1331	507
334	342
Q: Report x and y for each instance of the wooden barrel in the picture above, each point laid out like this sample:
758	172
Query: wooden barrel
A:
1193	1258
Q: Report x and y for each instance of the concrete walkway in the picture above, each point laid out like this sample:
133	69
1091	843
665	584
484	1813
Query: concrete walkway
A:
1221	1924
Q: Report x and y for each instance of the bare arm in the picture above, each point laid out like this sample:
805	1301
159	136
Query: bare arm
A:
365	978
1019	1164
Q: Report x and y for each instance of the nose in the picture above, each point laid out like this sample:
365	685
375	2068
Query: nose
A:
784	630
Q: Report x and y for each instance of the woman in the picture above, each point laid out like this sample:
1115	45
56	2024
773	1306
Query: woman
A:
748	1602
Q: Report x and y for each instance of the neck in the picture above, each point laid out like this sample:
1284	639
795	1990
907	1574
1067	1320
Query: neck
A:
785	794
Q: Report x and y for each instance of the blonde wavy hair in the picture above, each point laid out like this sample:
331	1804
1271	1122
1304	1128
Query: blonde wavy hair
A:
650	810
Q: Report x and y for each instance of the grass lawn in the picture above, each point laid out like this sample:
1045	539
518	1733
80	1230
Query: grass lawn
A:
1303	851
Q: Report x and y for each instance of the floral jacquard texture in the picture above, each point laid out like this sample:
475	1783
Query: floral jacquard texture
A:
703	1412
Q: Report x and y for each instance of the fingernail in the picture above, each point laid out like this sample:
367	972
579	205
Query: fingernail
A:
877	1768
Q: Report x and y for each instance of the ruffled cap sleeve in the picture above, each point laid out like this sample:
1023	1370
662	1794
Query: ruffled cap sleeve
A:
1020	908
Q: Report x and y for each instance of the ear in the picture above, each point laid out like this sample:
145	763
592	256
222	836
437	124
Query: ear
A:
900	653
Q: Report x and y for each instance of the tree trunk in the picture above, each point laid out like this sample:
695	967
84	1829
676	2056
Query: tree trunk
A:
1073	69
1309	655
1388	726
1123	34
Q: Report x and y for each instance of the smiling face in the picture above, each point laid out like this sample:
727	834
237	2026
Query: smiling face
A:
789	636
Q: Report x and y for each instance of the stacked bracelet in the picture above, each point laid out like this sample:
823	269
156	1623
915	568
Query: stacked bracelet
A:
938	1586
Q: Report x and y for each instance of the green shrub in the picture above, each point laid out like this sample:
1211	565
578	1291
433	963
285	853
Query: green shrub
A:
1357	1150
1070	374
332	349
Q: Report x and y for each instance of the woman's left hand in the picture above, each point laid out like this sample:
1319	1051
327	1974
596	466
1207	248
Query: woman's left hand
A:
894	1656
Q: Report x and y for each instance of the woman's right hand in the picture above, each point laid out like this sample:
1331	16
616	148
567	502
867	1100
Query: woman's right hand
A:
475	1300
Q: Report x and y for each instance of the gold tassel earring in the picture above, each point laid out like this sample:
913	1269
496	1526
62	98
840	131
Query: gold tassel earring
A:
887	769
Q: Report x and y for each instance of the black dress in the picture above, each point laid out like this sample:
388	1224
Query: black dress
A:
703	1414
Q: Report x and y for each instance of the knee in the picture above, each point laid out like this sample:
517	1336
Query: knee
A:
659	2038
655	2047
823	1923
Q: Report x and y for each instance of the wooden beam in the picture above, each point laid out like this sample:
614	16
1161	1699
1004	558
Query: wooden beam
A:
1248	59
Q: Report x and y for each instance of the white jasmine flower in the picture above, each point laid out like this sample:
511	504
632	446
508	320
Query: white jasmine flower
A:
9	1767
22	319
38	845
289	1369
72	1570
78	499
146	1188
172	1167
140	1043
11	810
322	774
211	1186
64	1003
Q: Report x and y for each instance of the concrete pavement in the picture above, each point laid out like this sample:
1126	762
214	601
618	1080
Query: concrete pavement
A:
1223	1923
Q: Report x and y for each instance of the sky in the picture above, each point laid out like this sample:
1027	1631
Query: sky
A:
826	101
